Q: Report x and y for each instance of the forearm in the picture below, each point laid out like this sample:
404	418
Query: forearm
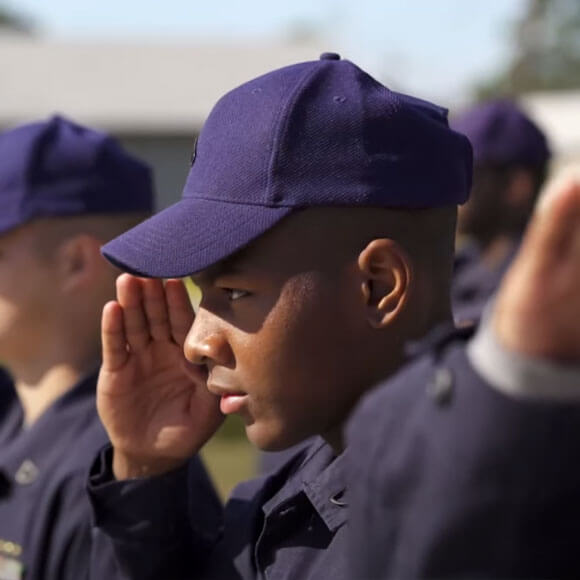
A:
472	482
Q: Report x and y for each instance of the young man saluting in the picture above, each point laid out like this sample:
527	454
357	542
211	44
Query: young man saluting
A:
463	464
318	220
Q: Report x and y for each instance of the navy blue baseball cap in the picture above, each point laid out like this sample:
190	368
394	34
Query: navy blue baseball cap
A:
320	133
56	168
501	133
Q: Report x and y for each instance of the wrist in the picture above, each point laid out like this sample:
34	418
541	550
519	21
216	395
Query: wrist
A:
517	373
131	467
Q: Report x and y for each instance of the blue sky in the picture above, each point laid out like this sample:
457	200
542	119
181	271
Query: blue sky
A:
434	48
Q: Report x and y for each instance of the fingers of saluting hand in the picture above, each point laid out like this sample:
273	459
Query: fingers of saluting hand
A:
150	311
131	298
155	307
557	221
180	310
113	337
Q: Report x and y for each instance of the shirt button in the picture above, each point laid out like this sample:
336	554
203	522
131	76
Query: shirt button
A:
27	473
440	389
338	499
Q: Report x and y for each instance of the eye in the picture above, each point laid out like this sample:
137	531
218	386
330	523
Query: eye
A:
235	294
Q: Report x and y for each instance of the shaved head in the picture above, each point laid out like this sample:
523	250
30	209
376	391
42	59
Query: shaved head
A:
427	236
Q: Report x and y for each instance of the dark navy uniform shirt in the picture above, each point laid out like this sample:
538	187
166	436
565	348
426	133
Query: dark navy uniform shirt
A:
290	525
449	478
7	395
45	528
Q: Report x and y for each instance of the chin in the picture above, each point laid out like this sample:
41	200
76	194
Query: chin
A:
268	438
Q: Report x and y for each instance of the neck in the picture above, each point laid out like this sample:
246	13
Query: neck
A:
40	383
335	439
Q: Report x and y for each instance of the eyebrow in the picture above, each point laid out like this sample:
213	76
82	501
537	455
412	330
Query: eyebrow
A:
227	267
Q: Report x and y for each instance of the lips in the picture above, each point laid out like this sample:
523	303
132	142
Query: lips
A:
232	403
231	400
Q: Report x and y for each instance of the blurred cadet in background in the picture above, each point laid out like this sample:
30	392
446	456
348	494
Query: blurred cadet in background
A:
464	465
64	191
511	156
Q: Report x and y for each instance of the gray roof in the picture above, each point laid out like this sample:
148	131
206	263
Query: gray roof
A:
132	87
169	88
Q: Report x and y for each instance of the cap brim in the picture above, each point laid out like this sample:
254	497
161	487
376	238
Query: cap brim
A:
190	236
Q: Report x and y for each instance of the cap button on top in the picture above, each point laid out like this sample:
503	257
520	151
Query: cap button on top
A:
330	56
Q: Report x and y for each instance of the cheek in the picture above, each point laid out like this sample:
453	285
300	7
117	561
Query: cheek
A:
25	300
306	340
300	369
18	323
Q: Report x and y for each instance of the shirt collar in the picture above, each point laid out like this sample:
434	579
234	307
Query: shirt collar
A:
36	443
320	478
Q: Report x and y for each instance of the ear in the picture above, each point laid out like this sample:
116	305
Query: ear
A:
386	277
78	261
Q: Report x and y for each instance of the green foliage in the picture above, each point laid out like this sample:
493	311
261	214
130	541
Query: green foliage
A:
10	20
546	52
232	428
229	456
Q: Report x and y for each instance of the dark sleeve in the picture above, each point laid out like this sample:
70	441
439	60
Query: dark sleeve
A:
448	478
160	527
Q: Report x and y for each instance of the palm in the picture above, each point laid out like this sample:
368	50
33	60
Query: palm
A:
152	405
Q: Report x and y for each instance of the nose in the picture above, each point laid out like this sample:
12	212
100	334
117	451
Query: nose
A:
206	342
